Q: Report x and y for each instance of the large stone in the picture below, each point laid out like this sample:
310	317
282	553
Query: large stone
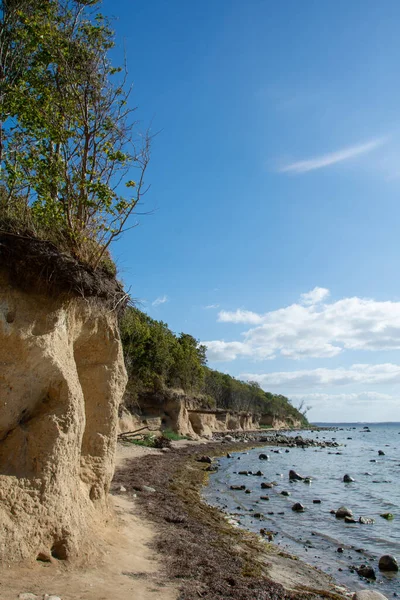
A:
347	478
388	563
293	476
368	595
61	381
366	571
343	512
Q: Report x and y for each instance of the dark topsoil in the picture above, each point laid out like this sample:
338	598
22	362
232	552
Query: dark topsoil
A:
35	265
209	558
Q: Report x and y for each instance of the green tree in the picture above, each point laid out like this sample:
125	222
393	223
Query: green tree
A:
69	141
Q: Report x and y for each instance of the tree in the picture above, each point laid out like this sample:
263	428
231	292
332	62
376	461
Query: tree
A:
70	140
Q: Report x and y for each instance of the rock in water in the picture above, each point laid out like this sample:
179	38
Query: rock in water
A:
366	571
263	457
349	520
387	516
368	595
293	476
381	453
343	512
347	478
298	507
366	521
388	563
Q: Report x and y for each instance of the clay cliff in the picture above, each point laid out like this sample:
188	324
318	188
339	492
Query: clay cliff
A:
62	377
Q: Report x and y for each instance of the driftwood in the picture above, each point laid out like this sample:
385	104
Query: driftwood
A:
132	433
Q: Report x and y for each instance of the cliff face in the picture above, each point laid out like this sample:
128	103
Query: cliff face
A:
62	377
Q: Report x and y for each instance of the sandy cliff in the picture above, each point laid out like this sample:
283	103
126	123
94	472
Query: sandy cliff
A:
62	377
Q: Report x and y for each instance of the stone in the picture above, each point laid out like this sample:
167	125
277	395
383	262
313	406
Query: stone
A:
293	476
340	550
366	521
51	597
238	487
387	516
387	562
381	453
229	455
366	571
248	492
229	438
349	520
147	488
285	493
298	507
368	595
316	501
28	596
243	473
264	497
347	478
263	457
266	486
259	474
122	489
343	512
205	459
307	480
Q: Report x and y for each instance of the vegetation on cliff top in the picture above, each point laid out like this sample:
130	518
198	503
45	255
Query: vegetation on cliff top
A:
156	359
68	141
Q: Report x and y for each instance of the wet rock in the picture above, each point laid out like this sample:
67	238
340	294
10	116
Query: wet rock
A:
366	571
238	487
340	550
293	476
343	512
258	515
259	474
298	507
264	497
347	478
316	501
263	457
285	493
307	480
349	520
388	516
368	595
266	486
228	455
205	459
366	520
381	453
387	562
248	492
243	473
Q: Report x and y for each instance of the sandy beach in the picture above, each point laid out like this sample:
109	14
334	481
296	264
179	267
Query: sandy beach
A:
165	543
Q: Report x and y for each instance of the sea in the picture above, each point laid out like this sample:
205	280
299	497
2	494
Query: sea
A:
315	534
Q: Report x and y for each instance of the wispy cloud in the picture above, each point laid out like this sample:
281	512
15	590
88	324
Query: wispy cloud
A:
160	300
326	160
210	306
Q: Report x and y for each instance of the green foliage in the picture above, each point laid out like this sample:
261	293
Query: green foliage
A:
67	138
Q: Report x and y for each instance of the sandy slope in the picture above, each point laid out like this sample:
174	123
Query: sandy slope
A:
126	570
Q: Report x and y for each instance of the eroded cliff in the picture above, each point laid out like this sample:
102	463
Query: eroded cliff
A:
62	377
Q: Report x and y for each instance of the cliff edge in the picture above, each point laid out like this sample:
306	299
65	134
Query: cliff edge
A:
62	377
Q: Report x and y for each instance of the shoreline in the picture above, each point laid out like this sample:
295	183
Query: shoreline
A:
208	556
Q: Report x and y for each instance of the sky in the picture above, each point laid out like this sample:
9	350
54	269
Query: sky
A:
274	207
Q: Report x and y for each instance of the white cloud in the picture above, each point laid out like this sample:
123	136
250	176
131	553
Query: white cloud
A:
220	351
160	300
239	316
314	379
326	160
210	306
365	398
314	330
315	296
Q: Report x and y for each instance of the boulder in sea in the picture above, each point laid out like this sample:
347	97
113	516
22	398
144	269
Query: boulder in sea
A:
298	507
316	501
258	474
263	457
266	486
285	493
350	520
381	453
366	571
307	480
243	473
229	455
387	516
248	492
366	521
340	550
343	512
264	497
293	476
238	487
387	562
347	478
368	595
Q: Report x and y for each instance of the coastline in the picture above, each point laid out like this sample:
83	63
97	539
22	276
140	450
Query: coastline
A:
203	552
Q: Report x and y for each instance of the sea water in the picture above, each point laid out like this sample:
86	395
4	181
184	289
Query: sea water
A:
315	534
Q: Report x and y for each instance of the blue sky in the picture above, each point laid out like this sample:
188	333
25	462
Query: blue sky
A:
276	171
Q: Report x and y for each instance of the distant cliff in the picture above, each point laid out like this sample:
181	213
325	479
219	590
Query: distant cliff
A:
170	381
